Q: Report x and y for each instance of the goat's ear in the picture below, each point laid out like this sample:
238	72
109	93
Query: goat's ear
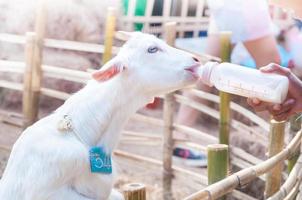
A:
110	70
123	35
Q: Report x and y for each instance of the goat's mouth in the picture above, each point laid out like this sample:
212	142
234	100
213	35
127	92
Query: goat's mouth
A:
193	70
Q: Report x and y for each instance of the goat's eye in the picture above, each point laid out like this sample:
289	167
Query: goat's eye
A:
152	49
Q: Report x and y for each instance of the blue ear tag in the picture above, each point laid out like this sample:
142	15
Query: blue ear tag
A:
100	162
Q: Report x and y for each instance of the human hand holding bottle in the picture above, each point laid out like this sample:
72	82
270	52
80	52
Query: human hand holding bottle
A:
293	102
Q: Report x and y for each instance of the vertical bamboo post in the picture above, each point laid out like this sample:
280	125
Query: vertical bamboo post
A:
169	104
170	33
224	106
27	78
134	191
40	21
218	163
40	26
33	71
295	126
109	34
276	143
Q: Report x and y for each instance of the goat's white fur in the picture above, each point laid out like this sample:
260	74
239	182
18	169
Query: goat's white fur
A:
46	164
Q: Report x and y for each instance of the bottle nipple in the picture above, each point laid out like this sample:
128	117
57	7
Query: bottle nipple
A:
205	73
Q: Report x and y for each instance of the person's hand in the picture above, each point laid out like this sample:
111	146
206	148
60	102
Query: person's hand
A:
293	101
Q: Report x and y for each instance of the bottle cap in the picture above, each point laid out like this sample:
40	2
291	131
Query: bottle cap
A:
205	72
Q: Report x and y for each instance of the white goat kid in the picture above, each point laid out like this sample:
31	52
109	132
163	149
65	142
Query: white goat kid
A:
52	160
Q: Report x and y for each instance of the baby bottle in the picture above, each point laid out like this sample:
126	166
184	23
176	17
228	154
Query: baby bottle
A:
246	82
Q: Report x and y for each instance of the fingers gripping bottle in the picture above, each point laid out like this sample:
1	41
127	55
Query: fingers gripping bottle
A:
246	82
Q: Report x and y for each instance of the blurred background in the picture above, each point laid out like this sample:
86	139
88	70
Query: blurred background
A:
261	34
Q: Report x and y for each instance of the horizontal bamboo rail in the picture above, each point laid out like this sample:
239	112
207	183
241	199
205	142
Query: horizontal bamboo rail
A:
11	85
48	71
55	94
59	44
195	133
66	74
77	46
244	176
12	38
245	156
12	66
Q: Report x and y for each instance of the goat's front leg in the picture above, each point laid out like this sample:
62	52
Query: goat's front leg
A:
115	195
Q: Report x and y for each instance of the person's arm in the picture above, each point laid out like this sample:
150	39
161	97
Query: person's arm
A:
293	101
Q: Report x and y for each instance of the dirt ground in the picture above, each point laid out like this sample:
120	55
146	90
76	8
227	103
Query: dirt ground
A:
130	171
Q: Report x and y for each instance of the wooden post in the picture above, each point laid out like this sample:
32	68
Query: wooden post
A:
134	191
33	70
295	126
109	34
170	33
224	120
27	90
40	26
276	143
218	159
224	106
169	104
40	21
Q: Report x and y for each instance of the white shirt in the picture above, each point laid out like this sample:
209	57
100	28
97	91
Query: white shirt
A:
246	19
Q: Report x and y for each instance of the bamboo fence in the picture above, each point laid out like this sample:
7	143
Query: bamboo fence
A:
33	68
246	175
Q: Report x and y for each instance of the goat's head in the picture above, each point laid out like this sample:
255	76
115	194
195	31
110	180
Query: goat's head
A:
152	65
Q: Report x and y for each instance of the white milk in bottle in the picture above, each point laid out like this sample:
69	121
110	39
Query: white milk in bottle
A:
246	82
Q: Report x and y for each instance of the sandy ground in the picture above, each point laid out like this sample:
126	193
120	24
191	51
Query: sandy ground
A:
132	171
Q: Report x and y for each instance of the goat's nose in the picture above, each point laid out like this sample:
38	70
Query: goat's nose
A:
195	59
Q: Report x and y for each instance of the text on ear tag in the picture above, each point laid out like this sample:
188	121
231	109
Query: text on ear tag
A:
100	162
